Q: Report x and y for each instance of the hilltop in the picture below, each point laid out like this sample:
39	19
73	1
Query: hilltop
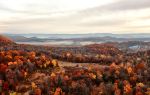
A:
5	40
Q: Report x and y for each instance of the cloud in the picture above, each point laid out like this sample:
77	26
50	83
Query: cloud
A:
128	5
120	5
67	16
103	23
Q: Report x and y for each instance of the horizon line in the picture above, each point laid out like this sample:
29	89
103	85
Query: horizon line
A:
73	33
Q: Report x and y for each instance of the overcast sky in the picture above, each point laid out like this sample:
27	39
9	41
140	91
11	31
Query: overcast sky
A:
74	16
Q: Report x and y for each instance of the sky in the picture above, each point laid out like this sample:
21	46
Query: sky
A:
74	16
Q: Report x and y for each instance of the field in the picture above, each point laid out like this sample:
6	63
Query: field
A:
96	69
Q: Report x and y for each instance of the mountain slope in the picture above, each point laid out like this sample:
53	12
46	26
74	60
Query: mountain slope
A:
5	40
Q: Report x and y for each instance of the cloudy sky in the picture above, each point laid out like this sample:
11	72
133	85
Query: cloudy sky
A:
74	16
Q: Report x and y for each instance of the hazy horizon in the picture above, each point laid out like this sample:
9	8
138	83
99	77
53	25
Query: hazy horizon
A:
73	33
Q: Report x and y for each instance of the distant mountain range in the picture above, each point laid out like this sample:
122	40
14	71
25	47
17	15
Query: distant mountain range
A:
126	44
68	36
95	37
